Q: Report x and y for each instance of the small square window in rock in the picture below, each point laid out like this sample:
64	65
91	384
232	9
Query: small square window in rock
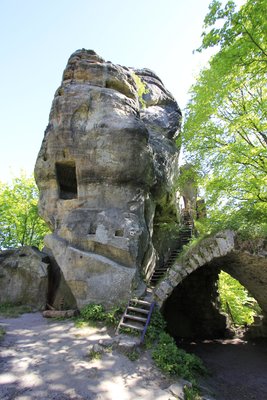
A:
67	181
92	229
119	233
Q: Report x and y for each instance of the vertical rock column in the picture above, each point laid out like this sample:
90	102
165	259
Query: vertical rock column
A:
96	174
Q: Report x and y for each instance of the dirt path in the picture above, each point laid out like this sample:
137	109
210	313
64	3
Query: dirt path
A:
238	369
40	359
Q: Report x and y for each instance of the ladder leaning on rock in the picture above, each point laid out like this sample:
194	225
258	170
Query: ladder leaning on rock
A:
136	317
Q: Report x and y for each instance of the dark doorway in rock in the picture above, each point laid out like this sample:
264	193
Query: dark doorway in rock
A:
67	181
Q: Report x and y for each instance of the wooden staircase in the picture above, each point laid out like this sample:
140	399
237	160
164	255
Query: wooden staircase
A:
185	236
136	316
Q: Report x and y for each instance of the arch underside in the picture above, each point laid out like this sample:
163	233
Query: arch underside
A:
189	296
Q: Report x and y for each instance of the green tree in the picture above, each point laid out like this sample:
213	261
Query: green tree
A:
236	301
20	223
225	130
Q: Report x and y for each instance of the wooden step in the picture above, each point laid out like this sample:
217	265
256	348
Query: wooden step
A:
126	325
138	310
134	317
145	303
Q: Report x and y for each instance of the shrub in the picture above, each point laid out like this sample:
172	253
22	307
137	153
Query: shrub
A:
93	312
174	361
133	355
97	313
156	326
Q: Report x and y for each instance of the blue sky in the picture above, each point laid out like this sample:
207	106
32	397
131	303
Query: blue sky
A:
37	37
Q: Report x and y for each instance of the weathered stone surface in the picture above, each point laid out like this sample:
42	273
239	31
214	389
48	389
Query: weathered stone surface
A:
105	163
23	277
177	388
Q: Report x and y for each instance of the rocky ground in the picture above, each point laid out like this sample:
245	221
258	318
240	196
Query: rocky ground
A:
41	359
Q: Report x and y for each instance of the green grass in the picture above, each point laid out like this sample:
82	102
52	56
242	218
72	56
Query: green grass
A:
9	310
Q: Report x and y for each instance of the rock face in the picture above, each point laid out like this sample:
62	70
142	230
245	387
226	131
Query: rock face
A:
107	160
23	277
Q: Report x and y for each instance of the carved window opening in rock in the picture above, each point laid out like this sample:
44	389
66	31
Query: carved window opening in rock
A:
92	229
67	181
119	233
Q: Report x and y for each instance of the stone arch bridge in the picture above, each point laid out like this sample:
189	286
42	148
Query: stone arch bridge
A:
188	294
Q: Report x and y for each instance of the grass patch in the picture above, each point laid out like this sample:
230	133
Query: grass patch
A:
133	355
94	355
9	310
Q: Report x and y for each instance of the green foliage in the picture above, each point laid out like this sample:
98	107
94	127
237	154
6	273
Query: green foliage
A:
20	223
9	310
191	393
155	328
174	361
97	313
236	301
167	356
226	121
133	355
113	316
93	312
94	355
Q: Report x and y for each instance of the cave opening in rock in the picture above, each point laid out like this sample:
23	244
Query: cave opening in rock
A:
67	181
194	309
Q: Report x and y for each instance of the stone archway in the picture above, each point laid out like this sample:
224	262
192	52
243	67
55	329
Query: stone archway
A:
197	272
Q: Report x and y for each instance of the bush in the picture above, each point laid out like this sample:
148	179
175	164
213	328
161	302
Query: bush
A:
155	328
174	361
97	313
93	312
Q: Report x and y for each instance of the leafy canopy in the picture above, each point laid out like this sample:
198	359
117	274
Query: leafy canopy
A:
225	130
236	301
20	223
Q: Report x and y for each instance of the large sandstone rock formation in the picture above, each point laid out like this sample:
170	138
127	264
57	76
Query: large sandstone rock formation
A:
107	162
24	277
